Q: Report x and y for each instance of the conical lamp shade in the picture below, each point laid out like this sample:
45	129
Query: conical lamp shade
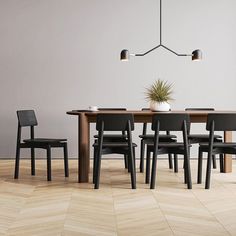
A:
197	55
124	55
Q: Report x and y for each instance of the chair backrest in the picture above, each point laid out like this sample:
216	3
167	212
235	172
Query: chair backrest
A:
112	109
222	121
114	122
145	124
171	122
26	118
199	109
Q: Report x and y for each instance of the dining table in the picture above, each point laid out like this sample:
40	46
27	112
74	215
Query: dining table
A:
86	117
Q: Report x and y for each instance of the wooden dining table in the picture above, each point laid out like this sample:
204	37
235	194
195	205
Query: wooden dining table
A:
85	118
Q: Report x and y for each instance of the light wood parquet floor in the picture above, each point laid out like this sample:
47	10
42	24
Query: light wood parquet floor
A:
33	206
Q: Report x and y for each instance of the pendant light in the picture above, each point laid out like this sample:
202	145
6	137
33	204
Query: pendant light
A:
125	54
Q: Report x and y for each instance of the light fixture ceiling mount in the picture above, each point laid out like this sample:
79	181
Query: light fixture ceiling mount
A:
125	54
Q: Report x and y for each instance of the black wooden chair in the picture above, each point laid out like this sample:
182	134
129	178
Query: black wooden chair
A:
169	122
202	138
147	138
27	118
114	122
114	137
216	122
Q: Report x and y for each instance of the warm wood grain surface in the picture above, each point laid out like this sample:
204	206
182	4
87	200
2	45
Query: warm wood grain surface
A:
32	206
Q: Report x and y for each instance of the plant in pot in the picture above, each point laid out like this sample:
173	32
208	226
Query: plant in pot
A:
159	95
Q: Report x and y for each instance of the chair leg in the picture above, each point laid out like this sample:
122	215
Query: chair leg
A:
183	160
97	171
142	151
208	171
199	173
128	164
32	161
66	165
132	169
153	175
221	163
49	172
126	161
185	172
94	165
188	170
17	163
147	179
214	161
134	158
170	161
176	168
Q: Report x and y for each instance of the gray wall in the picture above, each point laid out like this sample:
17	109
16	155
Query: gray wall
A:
58	55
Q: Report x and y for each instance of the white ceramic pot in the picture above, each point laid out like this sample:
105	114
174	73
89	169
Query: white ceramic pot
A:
159	106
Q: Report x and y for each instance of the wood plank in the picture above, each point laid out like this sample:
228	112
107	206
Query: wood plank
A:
33	206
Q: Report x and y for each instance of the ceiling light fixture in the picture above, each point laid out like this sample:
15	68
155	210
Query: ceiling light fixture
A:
125	54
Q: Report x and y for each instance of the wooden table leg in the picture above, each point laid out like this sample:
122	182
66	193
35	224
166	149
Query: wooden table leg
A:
228	157
84	152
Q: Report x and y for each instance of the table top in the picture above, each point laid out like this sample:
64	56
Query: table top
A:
148	112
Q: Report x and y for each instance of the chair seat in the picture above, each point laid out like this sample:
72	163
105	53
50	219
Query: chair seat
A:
219	145
219	148
44	140
112	136
114	144
161	136
203	136
168	145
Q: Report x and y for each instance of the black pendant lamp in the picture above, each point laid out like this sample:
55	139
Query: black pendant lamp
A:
125	54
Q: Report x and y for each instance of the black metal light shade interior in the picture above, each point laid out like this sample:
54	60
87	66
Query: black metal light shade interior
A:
124	55
197	55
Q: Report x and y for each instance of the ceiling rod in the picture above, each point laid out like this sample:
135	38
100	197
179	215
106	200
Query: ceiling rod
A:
125	55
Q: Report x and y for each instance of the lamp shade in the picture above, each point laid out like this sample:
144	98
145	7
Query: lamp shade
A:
124	55
197	55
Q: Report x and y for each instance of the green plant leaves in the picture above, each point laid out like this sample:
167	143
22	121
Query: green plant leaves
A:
160	91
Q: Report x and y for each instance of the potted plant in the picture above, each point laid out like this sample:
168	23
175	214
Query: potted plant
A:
159	95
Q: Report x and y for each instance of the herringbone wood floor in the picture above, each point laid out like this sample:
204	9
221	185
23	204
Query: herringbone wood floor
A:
33	206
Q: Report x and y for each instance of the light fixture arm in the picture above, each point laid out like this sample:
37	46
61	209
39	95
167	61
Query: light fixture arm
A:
143	54
177	54
161	45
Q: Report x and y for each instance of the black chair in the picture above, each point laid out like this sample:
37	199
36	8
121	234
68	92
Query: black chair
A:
202	138
114	122
114	137
27	118
216	122
147	138
169	122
